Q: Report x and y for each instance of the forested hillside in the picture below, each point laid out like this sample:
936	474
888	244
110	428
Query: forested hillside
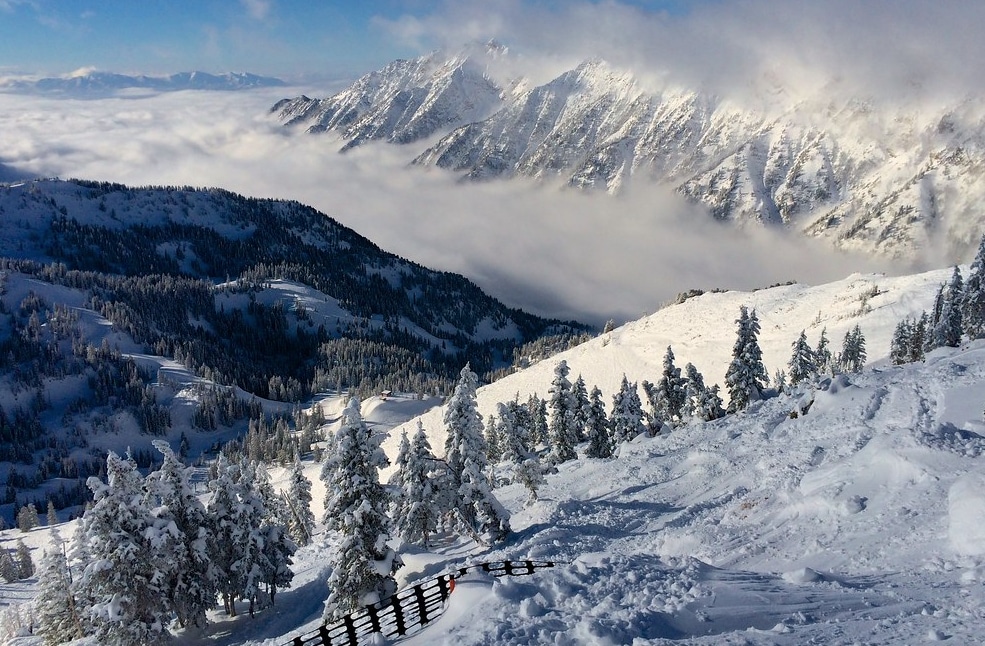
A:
118	304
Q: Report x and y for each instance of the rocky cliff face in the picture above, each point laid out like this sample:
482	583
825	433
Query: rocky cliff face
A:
892	180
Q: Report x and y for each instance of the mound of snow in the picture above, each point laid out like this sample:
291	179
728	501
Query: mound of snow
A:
966	514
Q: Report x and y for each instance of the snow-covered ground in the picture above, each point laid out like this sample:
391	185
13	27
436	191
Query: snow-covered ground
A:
861	522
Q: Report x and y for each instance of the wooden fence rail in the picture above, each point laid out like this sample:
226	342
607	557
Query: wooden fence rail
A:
406	612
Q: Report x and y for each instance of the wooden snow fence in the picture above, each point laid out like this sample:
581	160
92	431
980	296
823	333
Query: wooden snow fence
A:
406	612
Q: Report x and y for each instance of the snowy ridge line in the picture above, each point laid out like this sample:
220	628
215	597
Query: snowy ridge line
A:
410	609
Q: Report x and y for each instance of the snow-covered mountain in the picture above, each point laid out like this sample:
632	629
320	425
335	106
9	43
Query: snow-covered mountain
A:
100	83
857	522
175	313
406	101
884	178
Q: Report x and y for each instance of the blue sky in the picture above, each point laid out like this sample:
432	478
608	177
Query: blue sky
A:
279	37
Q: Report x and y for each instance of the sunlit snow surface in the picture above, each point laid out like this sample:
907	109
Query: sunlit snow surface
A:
860	522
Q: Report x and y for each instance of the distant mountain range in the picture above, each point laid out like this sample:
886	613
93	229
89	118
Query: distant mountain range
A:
889	180
97	83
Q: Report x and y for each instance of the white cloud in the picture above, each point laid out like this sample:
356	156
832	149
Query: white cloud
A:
556	252
881	48
258	9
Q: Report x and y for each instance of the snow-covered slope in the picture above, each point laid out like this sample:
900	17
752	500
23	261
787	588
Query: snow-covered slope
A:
701	331
857	522
886	178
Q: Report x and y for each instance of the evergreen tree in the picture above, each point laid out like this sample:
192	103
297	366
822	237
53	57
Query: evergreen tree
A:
973	296
301	520
120	592
746	376
563	408
853	353
52	515
415	515
57	615
272	538
711	405
918	338
225	544
494	453
181	530
355	508
526	469
27	518
464	440
537	408
947	328
701	402
597	427
802	363
582	408
822	353
669	395
9	571
627	413
465	454
513	430
899	345
25	564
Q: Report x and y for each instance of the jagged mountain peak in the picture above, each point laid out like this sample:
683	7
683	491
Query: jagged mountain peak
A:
866	174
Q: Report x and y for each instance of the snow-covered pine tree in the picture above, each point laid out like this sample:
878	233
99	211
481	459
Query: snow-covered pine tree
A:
9	571
711	406
25	564
822	353
537	408
802	363
526	467
746	377
415	515
465	455
464	439
899	345
853	354
948	328
582	408
297	500
276	547
51	515
973	296
918	338
597	428
562	407
669	394
181	550
626	420
355	508
120	592
54	605
27	518
494	453
780	381
694	387
225	540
